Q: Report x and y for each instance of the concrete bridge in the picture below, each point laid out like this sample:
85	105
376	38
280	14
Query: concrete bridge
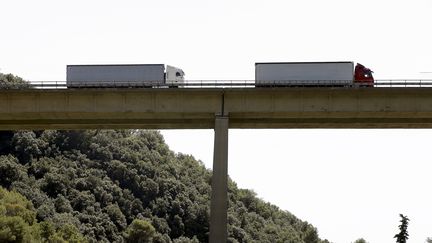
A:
218	109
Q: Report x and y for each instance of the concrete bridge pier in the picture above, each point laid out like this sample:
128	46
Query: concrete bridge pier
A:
219	197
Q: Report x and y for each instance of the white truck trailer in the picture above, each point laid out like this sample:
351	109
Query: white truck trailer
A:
311	74
123	75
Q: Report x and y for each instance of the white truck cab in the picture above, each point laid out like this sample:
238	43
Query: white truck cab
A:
174	75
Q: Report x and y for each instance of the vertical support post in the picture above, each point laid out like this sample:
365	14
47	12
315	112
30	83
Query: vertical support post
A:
219	197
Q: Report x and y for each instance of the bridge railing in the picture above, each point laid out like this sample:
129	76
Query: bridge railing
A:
392	83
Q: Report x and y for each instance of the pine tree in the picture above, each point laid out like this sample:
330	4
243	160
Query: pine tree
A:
402	237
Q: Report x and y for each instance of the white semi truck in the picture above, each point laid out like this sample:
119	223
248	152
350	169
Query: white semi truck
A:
311	74
123	75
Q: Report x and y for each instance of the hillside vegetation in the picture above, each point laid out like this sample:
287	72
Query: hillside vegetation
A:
10	81
121	186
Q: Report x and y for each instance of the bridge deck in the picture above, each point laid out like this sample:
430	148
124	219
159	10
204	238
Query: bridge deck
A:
196	108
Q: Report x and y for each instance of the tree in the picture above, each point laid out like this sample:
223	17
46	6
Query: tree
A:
27	146
140	231
311	236
13	204
116	215
10	81
361	240
10	170
429	240
18	223
402	237
67	233
46	230
17	218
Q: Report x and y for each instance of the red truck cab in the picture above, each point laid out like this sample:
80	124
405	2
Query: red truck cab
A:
363	75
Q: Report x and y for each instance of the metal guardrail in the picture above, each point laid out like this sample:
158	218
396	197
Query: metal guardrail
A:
406	83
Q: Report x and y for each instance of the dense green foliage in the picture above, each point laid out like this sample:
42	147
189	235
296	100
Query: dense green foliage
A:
402	236
10	81
18	223
127	186
17	217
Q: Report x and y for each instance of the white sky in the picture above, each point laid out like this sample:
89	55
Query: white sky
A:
344	182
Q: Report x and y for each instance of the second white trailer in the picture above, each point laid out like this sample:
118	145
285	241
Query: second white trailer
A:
303	73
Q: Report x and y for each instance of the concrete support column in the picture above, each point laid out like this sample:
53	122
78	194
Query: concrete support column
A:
219	198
